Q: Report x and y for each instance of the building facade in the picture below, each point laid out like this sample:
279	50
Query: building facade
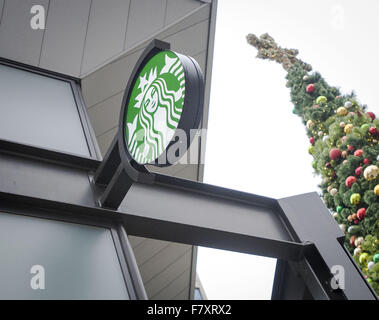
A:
62	81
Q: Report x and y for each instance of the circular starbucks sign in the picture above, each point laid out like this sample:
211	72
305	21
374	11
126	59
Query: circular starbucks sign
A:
161	109
155	106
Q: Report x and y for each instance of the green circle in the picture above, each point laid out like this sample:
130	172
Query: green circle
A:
155	107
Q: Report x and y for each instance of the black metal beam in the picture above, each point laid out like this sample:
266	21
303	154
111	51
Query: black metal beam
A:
48	155
312	221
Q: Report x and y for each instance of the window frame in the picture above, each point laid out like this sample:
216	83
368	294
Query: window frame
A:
75	84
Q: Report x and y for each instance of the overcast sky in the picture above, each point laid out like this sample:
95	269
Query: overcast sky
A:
255	144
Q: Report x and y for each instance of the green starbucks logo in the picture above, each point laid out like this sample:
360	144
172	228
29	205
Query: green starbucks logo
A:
155	107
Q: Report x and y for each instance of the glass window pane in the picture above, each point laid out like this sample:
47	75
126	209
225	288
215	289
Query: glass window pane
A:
79	261
40	111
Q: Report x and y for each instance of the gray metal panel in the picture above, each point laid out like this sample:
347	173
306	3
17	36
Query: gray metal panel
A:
168	274
145	18
174	288
1	10
177	9
200	14
201	210
65	33
164	259
106	114
106	31
18	41
54	182
105	140
109	80
80	262
148	249
135	241
192	40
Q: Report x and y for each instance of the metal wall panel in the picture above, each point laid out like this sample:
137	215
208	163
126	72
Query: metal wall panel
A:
106	31
179	8
145	18
177	286
18	41
109	80
192	40
158	262
169	274
1	10
105	115
65	33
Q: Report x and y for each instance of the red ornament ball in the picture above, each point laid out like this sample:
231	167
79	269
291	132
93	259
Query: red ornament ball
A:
356	221
358	171
361	213
350	148
349	181
328	165
373	131
352	240
358	153
312	140
366	161
334	154
310	88
316	106
371	115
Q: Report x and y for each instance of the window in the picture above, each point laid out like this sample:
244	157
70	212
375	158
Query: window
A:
41	111
79	261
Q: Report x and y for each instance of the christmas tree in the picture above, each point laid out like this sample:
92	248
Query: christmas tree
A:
343	139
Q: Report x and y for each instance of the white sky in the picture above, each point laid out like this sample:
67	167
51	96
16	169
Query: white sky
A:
255	143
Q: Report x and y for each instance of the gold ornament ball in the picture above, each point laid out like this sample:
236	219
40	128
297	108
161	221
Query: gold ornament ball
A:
355	198
342	124
363	258
321	99
333	192
371	172
348	128
310	124
344	154
342	111
376	190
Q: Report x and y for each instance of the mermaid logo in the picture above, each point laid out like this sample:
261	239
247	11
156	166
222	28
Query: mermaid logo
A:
155	106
